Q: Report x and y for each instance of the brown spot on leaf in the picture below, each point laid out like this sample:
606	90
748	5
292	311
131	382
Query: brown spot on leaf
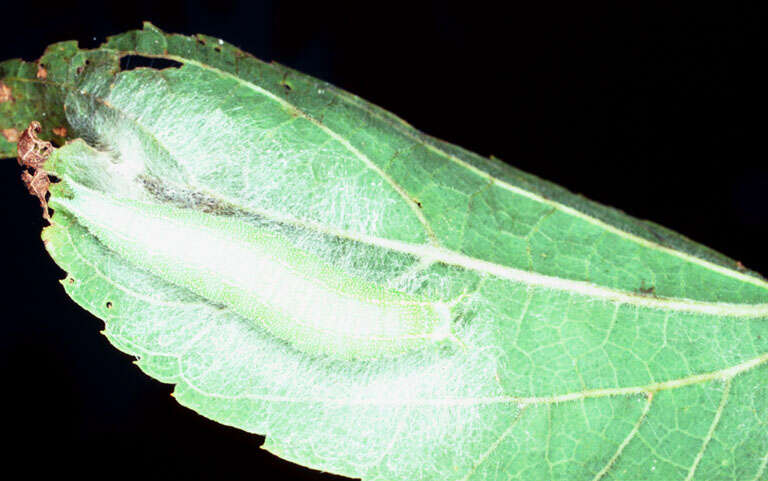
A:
11	135
60	131
32	154
5	93
646	291
42	73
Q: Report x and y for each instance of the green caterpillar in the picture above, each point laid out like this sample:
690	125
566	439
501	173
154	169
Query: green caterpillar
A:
292	293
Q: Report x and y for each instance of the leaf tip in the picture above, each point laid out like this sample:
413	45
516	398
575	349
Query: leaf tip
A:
147	25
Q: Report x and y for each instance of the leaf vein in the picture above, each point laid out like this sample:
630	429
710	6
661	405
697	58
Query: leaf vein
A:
343	141
494	445
627	440
721	375
711	431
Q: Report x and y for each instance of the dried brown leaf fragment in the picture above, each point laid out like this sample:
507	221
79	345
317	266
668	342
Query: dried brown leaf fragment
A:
32	154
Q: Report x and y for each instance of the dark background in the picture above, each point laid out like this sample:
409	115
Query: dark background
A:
658	111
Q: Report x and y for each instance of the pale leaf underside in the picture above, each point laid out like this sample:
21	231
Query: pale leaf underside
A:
596	346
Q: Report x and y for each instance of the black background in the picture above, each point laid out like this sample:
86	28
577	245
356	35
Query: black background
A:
658	111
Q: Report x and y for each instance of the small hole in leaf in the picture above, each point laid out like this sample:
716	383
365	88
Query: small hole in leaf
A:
109	304
131	62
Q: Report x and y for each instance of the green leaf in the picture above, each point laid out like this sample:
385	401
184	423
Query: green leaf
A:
554	338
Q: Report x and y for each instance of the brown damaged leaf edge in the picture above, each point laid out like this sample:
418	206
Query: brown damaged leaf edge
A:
32	154
42	73
5	93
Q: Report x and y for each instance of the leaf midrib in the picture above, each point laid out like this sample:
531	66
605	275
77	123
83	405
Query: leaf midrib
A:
475	170
439	254
429	142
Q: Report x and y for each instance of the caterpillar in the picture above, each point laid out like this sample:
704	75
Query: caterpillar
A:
292	293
